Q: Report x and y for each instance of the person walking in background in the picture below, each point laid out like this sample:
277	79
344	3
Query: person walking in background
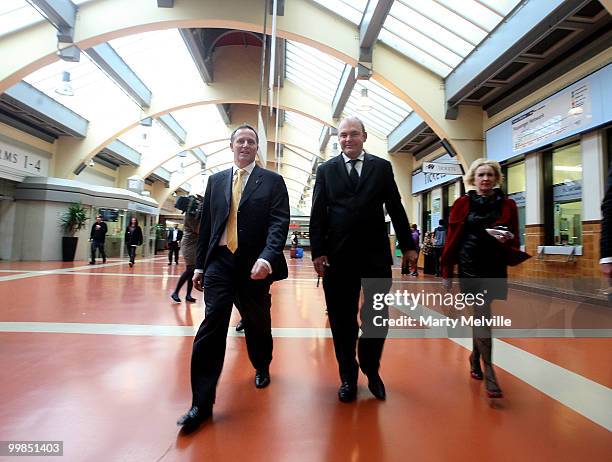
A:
428	253
416	238
97	237
174	237
133	238
483	240
189	247
439	240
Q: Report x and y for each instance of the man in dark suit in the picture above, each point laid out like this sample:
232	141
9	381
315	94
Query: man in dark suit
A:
605	254
97	236
350	250
174	237
243	231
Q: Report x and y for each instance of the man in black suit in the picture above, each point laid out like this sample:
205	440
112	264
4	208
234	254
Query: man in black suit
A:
173	239
97	236
605	254
350	250
243	231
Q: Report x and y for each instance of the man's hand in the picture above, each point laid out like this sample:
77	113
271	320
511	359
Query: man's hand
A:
197	281
409	258
259	271
320	263
606	268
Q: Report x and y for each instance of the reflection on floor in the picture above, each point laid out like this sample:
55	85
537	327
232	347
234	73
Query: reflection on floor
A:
98	357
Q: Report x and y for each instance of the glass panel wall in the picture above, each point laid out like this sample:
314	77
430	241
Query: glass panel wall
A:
515	188
567	195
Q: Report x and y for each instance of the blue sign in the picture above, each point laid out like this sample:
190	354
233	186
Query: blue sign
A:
568	191
518	197
583	105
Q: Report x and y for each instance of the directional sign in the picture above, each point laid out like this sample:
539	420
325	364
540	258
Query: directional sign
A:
436	167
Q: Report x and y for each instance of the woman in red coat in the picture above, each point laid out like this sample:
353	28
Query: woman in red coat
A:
482	255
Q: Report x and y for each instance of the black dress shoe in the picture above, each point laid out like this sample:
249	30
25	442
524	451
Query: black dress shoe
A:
194	417
175	298
262	378
376	386
190	299
347	392
240	326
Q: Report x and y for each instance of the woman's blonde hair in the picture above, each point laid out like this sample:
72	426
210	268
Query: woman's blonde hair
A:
471	173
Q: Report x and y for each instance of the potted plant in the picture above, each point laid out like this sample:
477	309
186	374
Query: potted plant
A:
71	221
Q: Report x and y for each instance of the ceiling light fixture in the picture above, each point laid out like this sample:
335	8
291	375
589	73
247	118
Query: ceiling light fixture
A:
365	103
65	88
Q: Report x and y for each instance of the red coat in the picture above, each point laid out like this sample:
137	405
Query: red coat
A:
459	212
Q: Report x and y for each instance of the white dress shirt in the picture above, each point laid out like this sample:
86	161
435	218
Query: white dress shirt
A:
245	178
223	241
358	165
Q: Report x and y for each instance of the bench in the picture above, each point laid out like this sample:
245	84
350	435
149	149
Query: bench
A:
566	253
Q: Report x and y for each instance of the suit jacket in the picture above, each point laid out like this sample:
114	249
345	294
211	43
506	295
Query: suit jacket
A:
179	235
458	214
347	223
606	221
263	219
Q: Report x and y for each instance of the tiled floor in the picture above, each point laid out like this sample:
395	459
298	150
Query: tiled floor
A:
113	387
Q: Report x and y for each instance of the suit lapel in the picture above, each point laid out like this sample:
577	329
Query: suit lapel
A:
366	169
341	171
226	186
255	179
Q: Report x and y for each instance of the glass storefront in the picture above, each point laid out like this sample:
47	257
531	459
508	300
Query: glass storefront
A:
426	218
116	221
515	188
567	194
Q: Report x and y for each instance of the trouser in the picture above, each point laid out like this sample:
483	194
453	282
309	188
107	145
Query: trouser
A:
482	347
100	247
227	282
437	253
413	267
342	285
187	276
173	248
131	250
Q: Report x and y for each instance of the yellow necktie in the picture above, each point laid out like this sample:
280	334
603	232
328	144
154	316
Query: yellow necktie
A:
232	220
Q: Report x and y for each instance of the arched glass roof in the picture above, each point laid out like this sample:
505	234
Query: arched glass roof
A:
438	34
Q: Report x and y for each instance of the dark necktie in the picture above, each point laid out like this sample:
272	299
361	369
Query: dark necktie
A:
353	175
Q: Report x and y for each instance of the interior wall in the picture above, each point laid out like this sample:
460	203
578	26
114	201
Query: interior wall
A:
37	234
7	218
93	176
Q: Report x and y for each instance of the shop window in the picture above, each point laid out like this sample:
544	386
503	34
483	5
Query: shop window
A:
448	198
566	174
426	218
515	188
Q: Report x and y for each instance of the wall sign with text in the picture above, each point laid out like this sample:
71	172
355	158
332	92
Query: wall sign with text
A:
423	180
579	107
21	161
